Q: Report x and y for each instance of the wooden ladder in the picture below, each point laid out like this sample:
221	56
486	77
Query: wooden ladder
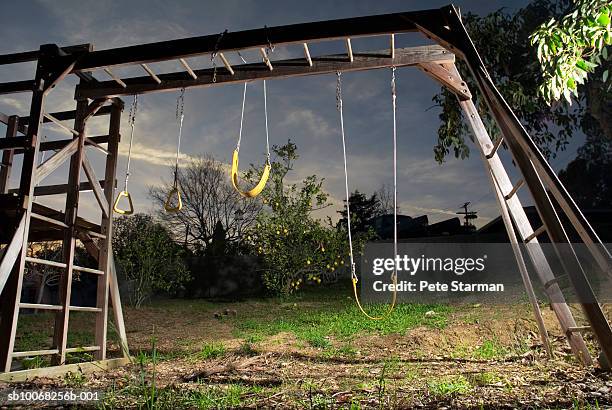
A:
16	256
514	217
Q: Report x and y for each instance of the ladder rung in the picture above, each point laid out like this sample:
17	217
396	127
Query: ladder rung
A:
535	234
45	262
514	189
39	306
47	219
35	353
82	349
496	146
85	309
578	329
87	270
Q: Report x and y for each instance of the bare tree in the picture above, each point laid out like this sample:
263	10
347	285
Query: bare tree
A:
385	198
208	198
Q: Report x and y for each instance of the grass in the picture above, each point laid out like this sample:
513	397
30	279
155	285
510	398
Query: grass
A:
211	351
449	386
316	317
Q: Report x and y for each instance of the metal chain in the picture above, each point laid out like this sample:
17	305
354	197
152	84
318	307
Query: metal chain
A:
180	116
132	122
346	184
214	55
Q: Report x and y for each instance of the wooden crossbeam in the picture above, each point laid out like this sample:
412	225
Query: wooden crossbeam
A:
59	124
93	182
55	161
383	24
16	87
11	252
58	189
282	69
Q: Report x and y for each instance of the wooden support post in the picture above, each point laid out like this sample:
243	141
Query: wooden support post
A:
104	261
7	156
68	246
45	79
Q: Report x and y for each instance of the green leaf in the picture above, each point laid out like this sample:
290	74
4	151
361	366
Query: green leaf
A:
603	19
604	77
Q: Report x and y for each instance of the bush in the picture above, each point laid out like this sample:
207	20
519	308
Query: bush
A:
147	258
294	247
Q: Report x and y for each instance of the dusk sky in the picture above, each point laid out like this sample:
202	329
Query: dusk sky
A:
303	109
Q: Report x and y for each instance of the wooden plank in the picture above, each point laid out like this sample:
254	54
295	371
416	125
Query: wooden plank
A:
82	349
40	306
59	124
114	77
25	56
35	353
50	165
70	115
106	250
10	144
447	78
60	335
45	81
61	371
60	188
93	182
329	64
383	24
85	309
117	308
523	226
6	163
45	262
48	220
226	63
11	252
87	270
59	144
14	87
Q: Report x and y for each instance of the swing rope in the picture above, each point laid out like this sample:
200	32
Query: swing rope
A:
354	278
125	193
267	167
174	192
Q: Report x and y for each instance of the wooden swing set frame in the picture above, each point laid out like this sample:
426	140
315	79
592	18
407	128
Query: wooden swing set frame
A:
23	221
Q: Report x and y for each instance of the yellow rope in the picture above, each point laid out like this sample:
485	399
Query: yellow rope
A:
393	300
